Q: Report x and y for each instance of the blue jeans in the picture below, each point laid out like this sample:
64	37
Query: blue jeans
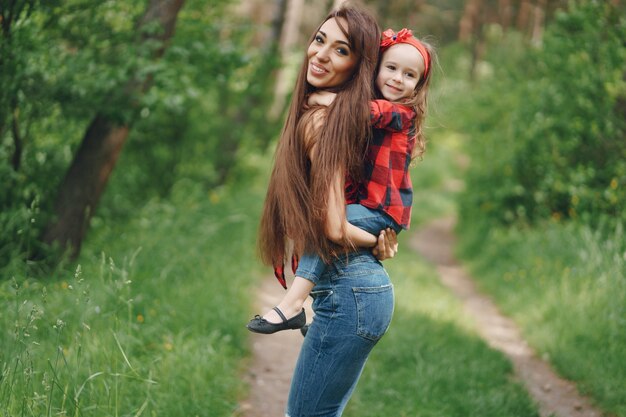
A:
353	305
311	266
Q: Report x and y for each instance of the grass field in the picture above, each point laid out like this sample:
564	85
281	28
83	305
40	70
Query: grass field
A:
150	321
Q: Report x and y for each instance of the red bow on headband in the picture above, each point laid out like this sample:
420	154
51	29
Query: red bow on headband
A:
391	38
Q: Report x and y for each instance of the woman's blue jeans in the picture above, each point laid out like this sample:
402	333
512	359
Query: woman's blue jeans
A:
353	305
311	266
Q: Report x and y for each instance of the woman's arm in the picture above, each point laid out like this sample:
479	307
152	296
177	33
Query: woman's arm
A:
338	229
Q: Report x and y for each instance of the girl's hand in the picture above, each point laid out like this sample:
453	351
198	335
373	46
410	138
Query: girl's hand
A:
387	246
321	98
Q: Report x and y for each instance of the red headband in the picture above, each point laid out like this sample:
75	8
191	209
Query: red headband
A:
391	38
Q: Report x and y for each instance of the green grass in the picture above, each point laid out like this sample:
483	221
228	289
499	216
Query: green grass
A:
150	323
431	362
565	285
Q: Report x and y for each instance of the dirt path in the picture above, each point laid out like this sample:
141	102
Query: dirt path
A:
275	355
554	395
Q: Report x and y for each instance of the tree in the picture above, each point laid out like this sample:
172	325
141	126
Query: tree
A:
88	174
288	39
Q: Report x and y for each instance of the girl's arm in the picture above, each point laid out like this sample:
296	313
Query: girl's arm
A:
390	116
387	246
383	114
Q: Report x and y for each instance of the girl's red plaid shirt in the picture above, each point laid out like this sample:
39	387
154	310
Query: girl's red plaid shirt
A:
386	185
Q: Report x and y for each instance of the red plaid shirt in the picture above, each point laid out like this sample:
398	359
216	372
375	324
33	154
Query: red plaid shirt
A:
387	185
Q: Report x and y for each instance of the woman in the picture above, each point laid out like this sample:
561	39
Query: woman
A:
305	204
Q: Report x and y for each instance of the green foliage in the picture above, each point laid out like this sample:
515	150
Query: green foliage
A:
153	313
67	61
564	285
55	74
554	145
205	109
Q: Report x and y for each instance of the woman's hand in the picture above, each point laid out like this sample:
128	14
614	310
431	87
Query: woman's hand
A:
387	246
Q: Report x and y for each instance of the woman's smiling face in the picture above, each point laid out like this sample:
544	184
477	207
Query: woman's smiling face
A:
331	60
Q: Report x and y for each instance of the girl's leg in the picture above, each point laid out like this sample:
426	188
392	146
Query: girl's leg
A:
372	221
292	302
310	268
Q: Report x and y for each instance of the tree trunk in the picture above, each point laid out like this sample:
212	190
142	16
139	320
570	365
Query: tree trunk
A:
288	39
471	32
11	11
84	183
505	11
538	21
523	16
100	148
469	21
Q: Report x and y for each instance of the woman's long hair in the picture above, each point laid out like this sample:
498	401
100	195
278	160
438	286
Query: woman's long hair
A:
297	197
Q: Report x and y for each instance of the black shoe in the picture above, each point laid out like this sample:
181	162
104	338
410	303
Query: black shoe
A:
304	329
259	325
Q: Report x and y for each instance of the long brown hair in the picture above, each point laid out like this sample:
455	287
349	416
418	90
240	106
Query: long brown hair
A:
297	197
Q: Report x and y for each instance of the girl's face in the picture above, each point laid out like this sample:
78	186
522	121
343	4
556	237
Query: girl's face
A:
331	60
400	70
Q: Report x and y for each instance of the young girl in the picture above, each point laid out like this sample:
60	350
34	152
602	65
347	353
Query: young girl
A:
383	199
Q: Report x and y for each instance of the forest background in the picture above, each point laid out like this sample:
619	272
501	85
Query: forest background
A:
135	144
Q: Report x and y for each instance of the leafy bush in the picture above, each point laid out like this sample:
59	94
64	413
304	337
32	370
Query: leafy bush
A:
554	146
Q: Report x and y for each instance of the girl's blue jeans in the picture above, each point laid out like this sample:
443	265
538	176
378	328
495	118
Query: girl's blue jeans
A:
353	304
311	266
